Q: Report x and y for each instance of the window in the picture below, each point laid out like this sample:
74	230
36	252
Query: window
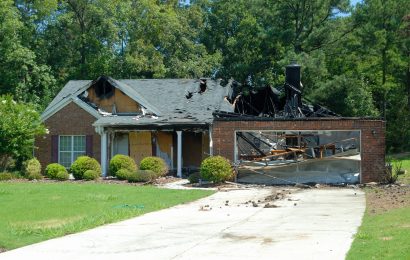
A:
70	147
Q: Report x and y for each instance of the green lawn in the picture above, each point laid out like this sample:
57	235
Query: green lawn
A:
33	212
404	159
385	235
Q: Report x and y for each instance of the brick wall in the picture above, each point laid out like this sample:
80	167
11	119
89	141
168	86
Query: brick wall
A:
372	145
70	120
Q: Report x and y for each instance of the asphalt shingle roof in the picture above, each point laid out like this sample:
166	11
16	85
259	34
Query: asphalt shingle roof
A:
168	96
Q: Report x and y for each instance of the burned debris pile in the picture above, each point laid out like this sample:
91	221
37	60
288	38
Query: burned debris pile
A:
284	102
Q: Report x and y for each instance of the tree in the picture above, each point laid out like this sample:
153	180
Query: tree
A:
161	39
256	37
19	124
21	75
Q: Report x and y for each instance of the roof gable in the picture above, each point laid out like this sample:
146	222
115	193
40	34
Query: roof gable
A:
171	100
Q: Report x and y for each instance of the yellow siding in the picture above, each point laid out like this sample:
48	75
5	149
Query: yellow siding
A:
140	145
122	102
164	146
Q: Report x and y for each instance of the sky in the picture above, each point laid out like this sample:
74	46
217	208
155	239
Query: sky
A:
354	2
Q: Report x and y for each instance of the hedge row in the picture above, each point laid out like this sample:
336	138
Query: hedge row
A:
215	168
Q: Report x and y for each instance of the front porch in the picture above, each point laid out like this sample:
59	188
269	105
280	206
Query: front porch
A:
183	149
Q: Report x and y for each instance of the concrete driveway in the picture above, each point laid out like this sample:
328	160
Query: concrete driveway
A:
307	224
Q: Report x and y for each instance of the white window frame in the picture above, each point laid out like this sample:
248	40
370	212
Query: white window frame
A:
72	147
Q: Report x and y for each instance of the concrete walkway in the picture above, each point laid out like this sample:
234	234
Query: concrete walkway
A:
313	224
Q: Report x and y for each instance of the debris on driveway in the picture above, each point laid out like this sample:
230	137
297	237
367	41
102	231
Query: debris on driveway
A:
322	224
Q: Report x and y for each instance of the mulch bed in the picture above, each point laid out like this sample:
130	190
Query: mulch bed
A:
159	181
166	179
382	198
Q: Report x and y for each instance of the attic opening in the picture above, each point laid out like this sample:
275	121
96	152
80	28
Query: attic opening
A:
103	88
202	86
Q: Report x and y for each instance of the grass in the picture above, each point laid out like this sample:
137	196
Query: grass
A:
385	235
404	160
33	212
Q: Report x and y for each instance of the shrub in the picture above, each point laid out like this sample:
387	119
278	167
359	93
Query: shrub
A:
90	175
142	176
82	164
6	162
17	175
154	164
62	175
32	167
194	177
53	169
123	174
121	161
5	176
34	176
216	169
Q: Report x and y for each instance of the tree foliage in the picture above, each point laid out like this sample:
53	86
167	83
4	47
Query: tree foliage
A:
355	59
19	124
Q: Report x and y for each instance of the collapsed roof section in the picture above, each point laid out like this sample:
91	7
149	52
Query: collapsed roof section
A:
285	102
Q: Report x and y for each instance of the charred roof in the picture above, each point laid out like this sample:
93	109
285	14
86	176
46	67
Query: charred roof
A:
283	102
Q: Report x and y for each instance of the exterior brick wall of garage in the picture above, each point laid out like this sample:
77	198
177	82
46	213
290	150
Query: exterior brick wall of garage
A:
70	120
372	137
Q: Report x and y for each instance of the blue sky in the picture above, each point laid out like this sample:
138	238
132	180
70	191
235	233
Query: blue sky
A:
354	2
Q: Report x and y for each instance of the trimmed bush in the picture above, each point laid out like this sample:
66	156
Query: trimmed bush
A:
121	161
32	169
90	175
142	176
194	177
5	176
54	169
154	164
62	175
123	174
82	164
216	169
17	175
34	176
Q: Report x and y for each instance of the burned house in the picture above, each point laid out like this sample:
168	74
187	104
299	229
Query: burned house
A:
169	118
271	134
279	138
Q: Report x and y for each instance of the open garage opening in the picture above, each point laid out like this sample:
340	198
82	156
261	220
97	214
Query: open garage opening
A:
281	157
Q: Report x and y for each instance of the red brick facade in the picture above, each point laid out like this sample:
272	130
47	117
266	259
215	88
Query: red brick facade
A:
70	120
372	138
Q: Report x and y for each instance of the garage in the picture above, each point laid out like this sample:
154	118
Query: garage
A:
290	157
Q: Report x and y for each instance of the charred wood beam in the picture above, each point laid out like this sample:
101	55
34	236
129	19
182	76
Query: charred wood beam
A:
250	106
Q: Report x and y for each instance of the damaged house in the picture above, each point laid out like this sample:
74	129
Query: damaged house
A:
169	118
271	135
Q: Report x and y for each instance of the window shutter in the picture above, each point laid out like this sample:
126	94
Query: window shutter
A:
89	145
54	148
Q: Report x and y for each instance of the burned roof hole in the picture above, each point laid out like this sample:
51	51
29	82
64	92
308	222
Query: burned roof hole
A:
189	95
202	86
103	88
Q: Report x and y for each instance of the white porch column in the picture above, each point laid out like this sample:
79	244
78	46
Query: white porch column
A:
179	154
211	142
104	150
